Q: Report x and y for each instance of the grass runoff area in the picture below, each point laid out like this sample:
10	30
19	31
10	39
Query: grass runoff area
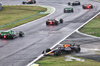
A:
60	61
92	28
12	16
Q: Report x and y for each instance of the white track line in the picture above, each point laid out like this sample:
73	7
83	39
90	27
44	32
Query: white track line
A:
85	24
62	40
88	21
87	34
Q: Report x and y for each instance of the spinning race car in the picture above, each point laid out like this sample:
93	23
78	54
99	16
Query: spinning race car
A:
75	3
53	22
62	50
29	2
11	34
68	9
87	6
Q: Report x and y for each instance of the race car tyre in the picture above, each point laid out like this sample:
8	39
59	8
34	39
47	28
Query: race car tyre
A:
34	1
21	33
0	36
56	23
57	53
77	50
72	10
83	6
73	4
69	3
47	23
47	50
23	2
61	20
64	11
79	3
91	7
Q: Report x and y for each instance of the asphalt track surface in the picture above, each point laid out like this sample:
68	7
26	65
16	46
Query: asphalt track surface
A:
38	36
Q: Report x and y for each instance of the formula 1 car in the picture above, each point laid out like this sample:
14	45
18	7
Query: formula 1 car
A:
66	48
53	22
87	6
29	2
11	34
68	9
75	3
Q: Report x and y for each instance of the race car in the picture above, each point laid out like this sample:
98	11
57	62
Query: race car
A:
68	9
63	49
75	3
29	2
87	6
53	22
11	34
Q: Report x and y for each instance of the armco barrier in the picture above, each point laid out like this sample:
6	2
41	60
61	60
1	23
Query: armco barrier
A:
0	6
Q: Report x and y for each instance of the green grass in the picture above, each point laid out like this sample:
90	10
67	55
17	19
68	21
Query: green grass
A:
14	13
60	61
93	27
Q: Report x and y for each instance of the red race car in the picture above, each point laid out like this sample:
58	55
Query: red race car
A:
29	2
53	22
87	6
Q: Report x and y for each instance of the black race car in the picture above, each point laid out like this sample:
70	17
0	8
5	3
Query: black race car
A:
75	3
29	2
11	34
53	22
67	48
87	6
68	9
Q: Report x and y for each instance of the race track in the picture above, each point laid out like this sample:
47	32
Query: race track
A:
38	36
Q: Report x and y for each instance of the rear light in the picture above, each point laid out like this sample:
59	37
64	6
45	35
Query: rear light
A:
33	1
51	23
4	36
88	7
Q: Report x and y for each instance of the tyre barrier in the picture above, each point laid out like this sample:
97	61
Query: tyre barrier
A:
0	6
